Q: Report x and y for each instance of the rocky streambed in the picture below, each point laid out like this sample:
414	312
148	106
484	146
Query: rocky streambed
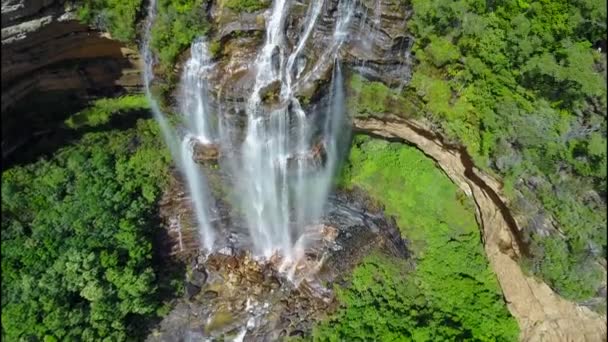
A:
231	294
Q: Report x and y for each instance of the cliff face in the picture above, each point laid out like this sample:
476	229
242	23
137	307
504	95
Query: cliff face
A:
52	64
379	46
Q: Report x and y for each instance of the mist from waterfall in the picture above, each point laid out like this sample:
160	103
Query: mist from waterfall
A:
284	168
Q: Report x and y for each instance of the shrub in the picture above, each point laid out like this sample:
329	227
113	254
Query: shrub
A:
246	5
177	24
102	110
119	17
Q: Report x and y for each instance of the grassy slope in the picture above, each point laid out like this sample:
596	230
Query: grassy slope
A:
452	294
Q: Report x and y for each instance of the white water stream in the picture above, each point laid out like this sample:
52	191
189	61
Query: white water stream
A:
194	104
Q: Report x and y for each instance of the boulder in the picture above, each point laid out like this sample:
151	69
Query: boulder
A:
205	152
191	290
198	277
313	159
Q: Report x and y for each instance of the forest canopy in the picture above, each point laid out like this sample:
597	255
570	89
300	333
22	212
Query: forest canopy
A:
77	232
522	84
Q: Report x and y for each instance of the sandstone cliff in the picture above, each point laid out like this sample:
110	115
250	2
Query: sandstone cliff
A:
52	64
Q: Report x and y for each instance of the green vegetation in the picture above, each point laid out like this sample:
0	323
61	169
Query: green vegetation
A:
521	85
372	98
451	295
215	48
246	5
102	110
118	17
177	24
77	231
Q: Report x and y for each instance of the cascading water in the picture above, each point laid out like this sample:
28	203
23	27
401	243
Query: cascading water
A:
284	167
196	114
280	193
194	101
148	75
277	159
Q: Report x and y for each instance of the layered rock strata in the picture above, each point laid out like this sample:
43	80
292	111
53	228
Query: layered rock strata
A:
52	64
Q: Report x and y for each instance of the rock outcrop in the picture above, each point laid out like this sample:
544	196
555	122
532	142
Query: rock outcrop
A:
52	64
541	313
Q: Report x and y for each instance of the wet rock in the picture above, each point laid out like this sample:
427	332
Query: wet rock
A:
218	321
205	152
254	277
329	233
378	39
275	59
210	295
270	94
313	159
244	289
229	22
198	278
296	333
232	78
231	262
226	251
191	290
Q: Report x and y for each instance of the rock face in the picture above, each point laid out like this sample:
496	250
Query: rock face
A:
378	46
52	64
542	314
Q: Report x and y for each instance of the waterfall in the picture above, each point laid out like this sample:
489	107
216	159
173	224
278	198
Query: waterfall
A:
182	152
194	102
282	189
148	76
283	169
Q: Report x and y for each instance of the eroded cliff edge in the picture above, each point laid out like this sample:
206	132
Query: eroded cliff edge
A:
542	314
52	65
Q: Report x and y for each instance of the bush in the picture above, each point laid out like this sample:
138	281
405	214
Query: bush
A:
102	110
373	98
246	5
119	17
177	24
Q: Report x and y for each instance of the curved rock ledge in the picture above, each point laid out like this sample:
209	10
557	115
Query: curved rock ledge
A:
541	314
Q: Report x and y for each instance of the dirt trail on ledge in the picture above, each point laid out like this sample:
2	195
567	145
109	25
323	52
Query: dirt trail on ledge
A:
542	314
